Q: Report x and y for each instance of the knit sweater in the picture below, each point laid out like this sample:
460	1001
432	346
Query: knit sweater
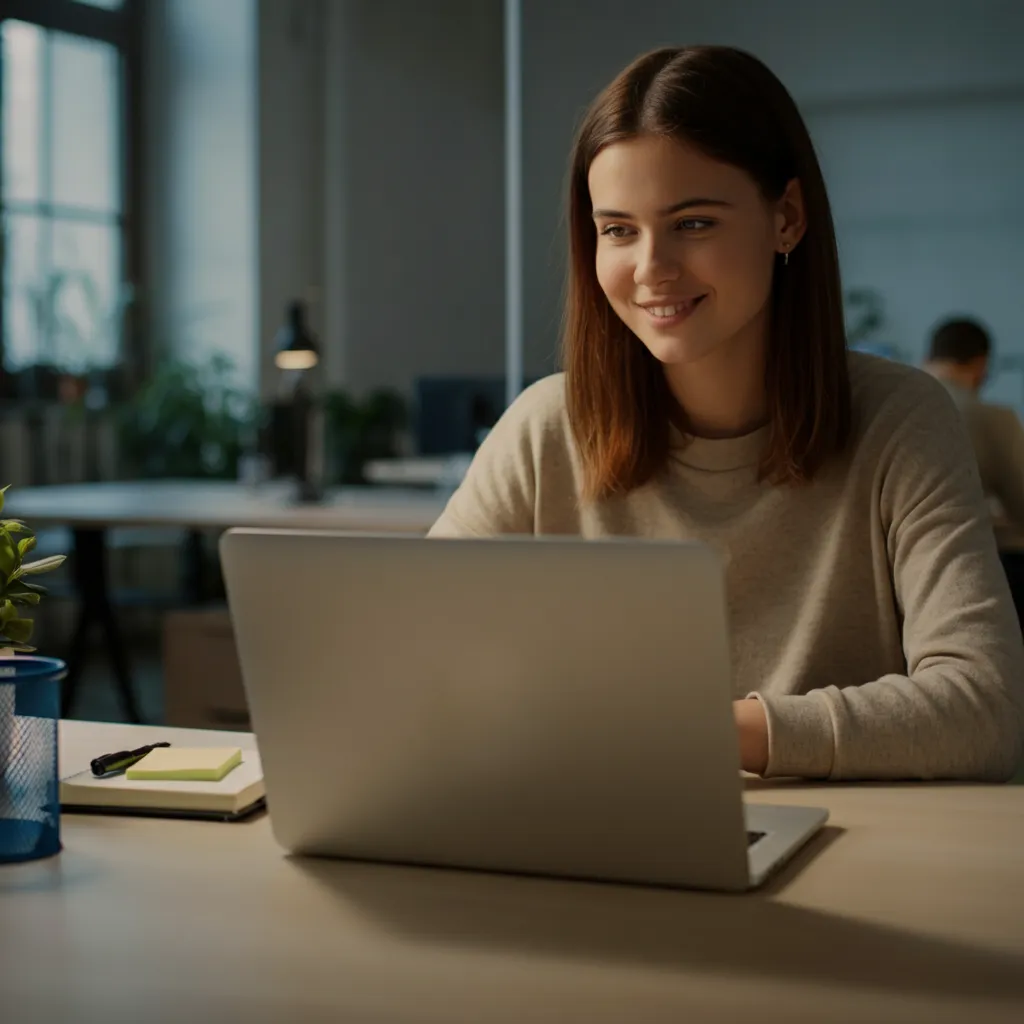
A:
867	609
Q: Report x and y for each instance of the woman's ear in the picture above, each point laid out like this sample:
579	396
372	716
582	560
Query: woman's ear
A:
790	217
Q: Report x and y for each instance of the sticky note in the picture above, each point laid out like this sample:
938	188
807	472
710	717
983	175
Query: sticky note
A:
186	764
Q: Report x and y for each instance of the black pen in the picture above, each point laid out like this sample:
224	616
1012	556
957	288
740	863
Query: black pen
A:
121	760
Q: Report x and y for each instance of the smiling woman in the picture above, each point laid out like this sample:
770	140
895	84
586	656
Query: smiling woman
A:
708	395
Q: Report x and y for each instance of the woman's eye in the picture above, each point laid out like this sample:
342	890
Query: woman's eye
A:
694	223
615	231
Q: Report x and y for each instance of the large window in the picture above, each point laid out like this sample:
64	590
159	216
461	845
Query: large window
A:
64	191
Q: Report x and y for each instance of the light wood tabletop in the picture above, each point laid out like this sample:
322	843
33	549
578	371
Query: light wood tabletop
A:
909	907
214	504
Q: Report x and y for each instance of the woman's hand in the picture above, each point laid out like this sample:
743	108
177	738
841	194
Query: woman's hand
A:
753	730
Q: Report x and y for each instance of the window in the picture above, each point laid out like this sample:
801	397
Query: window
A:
63	194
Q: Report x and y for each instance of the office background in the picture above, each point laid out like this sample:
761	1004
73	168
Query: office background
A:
176	172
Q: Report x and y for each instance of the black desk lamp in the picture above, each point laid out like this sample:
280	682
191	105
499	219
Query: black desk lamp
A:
296	349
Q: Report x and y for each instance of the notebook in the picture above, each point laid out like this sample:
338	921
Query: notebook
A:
237	795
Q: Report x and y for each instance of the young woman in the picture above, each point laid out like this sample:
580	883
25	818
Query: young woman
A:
708	394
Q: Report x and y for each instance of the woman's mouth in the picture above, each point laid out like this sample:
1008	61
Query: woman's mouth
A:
669	314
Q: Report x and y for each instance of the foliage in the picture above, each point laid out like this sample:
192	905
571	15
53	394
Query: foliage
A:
187	421
79	328
17	591
864	314
358	431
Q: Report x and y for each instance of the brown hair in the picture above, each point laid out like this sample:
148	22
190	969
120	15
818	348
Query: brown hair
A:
730	106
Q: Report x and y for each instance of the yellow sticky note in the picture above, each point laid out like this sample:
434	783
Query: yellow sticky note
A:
186	764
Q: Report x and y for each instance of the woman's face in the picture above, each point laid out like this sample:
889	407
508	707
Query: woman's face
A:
686	247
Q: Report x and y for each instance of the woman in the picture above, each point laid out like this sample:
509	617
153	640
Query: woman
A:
708	394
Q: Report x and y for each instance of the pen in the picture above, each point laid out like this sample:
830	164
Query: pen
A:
117	762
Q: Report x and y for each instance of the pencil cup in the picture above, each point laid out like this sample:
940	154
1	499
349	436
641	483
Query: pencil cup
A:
29	783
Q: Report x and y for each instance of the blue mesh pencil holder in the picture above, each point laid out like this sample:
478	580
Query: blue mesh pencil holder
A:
29	783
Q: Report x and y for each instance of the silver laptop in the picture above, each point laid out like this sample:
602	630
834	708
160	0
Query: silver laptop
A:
548	706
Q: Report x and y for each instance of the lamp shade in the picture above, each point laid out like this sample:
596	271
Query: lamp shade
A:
295	347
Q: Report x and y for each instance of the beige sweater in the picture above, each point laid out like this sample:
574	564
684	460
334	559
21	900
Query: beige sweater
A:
868	610
998	439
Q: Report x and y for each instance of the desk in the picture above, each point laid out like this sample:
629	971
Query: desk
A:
92	509
909	908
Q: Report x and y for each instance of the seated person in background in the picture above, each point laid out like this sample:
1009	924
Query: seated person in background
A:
959	357
708	394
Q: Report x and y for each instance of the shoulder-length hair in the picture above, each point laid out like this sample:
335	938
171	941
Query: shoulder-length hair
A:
728	105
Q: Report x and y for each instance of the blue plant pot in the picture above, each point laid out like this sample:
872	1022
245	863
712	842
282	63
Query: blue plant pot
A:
29	781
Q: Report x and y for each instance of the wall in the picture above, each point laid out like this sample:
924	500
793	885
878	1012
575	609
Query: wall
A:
414	201
291	170
917	109
200	180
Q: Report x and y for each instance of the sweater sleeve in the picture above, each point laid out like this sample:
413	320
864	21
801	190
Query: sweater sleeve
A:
958	712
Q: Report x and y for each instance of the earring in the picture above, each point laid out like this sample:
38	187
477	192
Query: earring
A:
785	259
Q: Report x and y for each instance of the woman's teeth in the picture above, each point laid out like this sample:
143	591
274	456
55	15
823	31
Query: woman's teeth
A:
669	311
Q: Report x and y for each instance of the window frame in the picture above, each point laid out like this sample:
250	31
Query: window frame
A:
123	29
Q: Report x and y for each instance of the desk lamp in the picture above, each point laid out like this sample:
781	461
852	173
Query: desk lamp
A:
296	350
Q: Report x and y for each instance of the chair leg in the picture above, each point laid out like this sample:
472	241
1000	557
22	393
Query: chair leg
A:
75	659
93	590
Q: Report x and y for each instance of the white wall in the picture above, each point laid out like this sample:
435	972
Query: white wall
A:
291	170
200	189
413	141
917	109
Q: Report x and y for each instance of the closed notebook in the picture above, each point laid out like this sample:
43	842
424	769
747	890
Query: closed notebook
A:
240	790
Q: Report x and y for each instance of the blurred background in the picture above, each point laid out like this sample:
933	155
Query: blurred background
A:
192	187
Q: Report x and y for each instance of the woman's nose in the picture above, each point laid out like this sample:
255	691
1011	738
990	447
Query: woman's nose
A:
656	263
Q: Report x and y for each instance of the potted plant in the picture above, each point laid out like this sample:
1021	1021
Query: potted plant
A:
189	420
18	591
359	431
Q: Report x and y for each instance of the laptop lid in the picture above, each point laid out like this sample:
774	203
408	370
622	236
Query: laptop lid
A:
551	706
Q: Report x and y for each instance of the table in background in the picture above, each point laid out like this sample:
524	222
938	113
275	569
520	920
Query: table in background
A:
909	907
91	510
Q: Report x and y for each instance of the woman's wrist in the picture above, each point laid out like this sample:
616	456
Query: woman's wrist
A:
752	726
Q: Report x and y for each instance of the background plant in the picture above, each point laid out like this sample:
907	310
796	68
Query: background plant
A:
189	420
17	590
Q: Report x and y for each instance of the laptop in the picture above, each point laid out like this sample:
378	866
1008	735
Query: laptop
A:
545	706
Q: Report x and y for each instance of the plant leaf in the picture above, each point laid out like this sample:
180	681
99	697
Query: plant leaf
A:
24	598
43	565
19	630
17	648
7	612
9	560
14	526
17	585
3	491
25	545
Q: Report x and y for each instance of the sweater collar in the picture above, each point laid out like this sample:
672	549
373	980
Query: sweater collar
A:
719	455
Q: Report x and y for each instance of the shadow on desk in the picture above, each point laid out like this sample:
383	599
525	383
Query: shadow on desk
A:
665	929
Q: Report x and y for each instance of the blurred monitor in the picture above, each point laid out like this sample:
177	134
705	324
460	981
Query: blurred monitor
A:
452	413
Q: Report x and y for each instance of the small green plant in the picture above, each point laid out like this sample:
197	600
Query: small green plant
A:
16	590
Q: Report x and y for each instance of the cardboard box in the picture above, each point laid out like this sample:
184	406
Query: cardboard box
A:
202	677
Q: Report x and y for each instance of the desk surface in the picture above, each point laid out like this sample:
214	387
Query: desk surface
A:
909	907
221	504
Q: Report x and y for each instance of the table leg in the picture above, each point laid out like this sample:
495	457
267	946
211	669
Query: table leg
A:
92	588
193	569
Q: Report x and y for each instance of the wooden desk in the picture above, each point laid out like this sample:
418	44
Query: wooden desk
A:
909	908
92	509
